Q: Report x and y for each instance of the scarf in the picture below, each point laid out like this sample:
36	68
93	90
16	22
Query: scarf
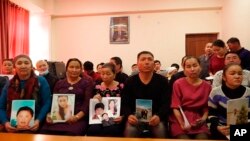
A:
29	91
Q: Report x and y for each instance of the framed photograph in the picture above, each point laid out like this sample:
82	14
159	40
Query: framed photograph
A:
22	114
237	111
62	107
143	109
104	111
119	30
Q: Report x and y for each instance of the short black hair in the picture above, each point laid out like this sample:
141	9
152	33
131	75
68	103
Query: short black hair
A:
233	40
175	65
144	52
219	43
99	105
109	65
157	61
117	60
88	65
25	108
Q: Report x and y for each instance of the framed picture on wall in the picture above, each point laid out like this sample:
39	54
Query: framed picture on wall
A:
119	30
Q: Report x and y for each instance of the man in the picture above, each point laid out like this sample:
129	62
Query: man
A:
204	60
88	68
120	76
146	85
157	68
234	46
43	68
231	57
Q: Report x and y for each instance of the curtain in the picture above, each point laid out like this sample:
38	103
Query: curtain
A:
14	30
3	31
18	34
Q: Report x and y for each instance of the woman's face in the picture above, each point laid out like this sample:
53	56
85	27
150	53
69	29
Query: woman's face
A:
111	104
233	76
23	66
7	67
107	75
74	69
63	101
99	68
192	68
23	119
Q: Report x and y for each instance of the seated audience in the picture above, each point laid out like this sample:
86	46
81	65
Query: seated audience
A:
82	88
25	85
231	57
146	85
43	68
158	69
119	75
190	94
134	69
204	59
107	88
230	89
99	68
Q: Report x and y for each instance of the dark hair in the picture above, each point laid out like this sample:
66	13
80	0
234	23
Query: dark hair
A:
8	59
100	64
175	65
157	61
230	52
88	66
110	66
134	65
115	109
190	57
104	114
144	52
61	110
118	61
25	108
233	40
219	43
228	66
73	59
99	105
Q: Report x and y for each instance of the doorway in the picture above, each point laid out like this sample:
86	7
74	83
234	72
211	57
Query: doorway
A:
195	43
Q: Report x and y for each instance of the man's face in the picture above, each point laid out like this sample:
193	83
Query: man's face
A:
41	66
145	63
23	119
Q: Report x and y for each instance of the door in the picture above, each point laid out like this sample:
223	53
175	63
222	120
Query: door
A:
195	43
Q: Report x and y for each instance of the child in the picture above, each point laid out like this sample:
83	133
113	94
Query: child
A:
23	117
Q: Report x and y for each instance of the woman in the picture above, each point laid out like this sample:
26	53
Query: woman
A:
25	85
64	108
112	109
231	88
190	93
108	88
82	88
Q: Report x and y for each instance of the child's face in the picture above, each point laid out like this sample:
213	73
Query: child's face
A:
23	119
105	117
63	101
99	111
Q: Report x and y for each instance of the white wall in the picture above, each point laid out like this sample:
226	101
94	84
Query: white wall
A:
236	21
163	33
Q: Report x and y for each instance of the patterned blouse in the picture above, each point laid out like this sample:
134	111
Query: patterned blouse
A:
109	92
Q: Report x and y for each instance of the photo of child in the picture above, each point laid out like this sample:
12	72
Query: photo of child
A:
24	117
106	120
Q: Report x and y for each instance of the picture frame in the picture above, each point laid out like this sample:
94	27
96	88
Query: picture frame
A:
97	109
143	109
62	101
119	30
21	109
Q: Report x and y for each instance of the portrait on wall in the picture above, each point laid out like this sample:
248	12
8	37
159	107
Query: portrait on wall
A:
119	30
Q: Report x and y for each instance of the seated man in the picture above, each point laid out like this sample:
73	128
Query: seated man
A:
146	85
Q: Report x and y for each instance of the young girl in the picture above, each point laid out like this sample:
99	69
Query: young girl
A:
64	109
108	88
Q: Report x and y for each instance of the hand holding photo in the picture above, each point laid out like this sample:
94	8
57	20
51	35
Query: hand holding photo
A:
143	110
237	111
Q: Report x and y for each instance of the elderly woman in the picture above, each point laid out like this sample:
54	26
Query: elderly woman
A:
25	85
77	123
